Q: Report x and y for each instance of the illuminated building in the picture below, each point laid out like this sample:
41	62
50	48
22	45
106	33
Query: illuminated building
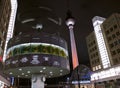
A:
111	33
94	56
107	35
5	16
5	10
11	23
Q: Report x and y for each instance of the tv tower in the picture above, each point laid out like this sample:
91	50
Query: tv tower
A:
70	21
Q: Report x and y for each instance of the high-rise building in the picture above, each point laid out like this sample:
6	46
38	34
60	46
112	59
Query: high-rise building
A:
93	51
105	40
5	11
111	32
10	29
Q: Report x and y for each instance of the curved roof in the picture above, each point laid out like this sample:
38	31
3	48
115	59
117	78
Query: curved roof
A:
81	72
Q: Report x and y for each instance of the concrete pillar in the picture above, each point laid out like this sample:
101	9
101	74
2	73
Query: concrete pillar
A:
37	81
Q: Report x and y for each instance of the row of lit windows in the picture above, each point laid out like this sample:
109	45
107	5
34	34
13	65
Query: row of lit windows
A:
96	67
113	36
111	29
115	43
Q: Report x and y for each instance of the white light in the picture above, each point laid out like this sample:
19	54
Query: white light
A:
10	73
51	72
44	68
61	70
20	69
70	22
111	73
41	71
28	71
28	20
61	74
26	75
76	82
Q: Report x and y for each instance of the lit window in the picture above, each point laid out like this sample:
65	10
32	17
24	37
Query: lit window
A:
99	66
93	68
96	67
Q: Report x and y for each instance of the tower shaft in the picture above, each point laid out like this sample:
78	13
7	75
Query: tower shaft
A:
73	48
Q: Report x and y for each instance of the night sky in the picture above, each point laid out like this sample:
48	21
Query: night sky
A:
82	10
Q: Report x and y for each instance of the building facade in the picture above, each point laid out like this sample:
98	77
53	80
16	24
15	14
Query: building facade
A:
94	55
5	10
107	36
111	32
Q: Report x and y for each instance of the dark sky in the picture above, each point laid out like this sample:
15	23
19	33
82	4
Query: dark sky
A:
82	10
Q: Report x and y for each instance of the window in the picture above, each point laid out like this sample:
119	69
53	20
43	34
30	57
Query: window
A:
96	67
118	33
111	29
119	41
116	61
111	45
113	36
118	50
99	66
93	68
109	38
115	26
107	32
116	43
113	53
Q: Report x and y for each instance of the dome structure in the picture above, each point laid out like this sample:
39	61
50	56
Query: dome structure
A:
38	18
81	73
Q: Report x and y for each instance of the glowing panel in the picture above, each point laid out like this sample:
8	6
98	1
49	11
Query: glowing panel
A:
97	21
111	73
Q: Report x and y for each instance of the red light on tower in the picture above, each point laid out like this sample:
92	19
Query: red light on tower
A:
0	58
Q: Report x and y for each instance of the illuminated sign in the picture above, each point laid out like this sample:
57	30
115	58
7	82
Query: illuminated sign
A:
82	82
111	73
